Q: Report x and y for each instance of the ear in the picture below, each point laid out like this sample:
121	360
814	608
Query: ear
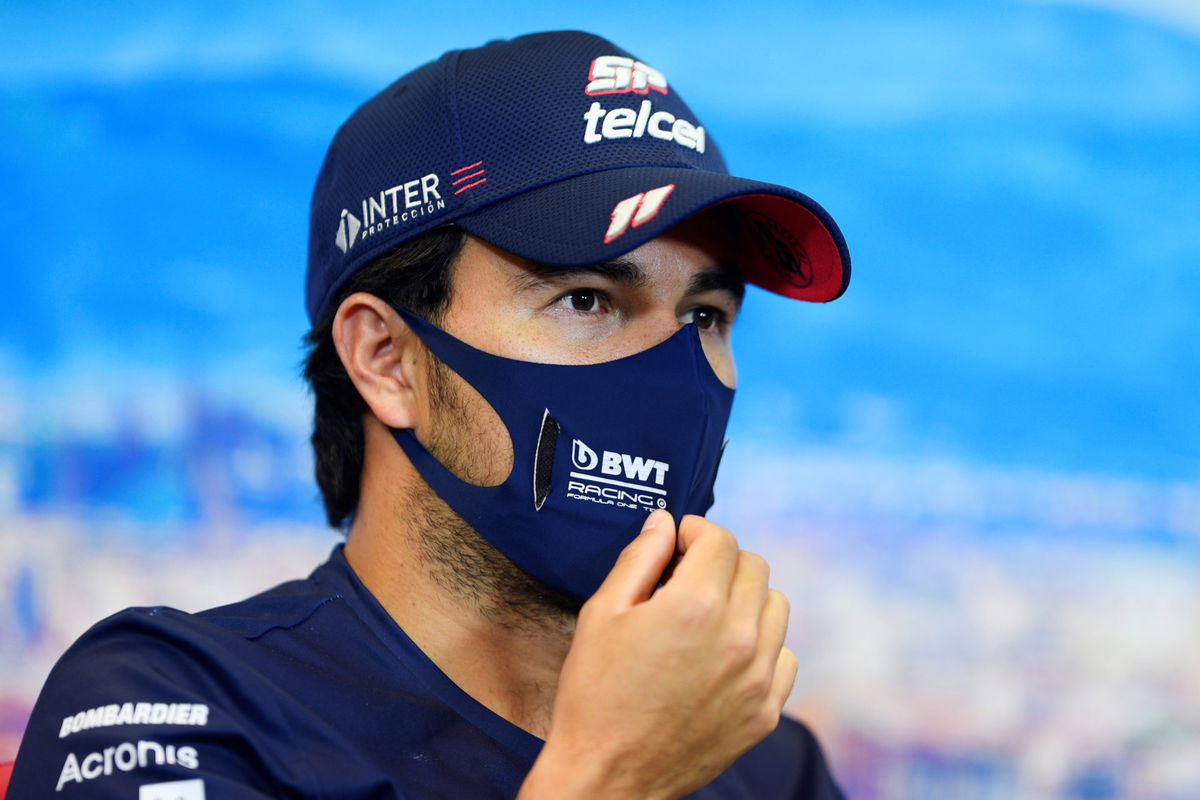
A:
383	357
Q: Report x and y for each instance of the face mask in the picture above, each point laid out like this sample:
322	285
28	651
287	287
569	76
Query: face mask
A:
596	448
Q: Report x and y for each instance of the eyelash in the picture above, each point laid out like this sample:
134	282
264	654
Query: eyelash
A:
598	297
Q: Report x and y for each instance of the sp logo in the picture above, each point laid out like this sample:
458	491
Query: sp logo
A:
585	458
621	75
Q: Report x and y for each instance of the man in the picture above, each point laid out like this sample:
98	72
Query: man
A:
525	261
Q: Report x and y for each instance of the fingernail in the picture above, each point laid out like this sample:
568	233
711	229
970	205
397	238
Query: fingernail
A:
651	521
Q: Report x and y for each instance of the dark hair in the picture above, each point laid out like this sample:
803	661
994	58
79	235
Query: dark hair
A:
416	276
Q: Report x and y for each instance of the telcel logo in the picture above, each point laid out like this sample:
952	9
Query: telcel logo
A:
634	468
622	75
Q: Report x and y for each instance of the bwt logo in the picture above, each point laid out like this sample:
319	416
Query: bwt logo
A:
623	464
621	75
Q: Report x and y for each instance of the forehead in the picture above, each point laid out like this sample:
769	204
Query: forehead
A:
707	238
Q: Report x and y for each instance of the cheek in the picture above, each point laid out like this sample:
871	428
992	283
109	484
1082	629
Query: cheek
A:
720	358
467	434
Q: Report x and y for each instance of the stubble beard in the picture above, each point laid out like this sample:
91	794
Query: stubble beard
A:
458	558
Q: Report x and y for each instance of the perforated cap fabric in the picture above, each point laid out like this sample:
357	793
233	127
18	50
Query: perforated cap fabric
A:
558	147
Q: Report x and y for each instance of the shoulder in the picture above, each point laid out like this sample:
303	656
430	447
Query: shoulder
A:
794	746
160	693
787	764
151	647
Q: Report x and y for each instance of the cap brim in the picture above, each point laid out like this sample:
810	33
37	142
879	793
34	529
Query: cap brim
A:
790	245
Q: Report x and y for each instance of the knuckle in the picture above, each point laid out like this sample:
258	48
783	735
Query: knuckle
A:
743	643
780	601
758	685
787	659
766	720
691	527
696	526
725	535
755	563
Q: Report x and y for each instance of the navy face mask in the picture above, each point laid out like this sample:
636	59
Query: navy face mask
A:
596	448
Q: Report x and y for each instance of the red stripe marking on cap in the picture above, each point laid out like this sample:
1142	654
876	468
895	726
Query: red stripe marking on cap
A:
469	185
468	177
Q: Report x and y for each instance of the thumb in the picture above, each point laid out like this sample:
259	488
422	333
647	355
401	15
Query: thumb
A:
641	564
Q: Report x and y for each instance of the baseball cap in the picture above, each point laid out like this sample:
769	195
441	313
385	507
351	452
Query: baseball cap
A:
558	147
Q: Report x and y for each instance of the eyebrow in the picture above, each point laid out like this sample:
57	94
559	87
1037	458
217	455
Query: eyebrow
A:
618	270
720	277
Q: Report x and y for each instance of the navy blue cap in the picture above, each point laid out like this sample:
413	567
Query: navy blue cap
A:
557	147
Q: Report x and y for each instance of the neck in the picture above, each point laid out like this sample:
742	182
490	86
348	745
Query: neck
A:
497	633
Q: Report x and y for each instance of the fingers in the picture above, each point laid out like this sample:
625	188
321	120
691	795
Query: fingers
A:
709	560
748	591
772	632
641	564
691	527
784	678
773	623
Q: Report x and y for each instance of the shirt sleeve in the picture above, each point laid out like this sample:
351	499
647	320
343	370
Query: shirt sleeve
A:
136	710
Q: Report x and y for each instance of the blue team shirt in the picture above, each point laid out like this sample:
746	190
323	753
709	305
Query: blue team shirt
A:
309	690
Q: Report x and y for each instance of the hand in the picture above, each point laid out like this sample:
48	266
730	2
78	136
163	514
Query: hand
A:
662	690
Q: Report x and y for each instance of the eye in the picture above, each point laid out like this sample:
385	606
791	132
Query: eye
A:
584	300
707	317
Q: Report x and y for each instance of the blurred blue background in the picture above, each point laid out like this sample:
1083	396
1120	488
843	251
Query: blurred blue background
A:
977	475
